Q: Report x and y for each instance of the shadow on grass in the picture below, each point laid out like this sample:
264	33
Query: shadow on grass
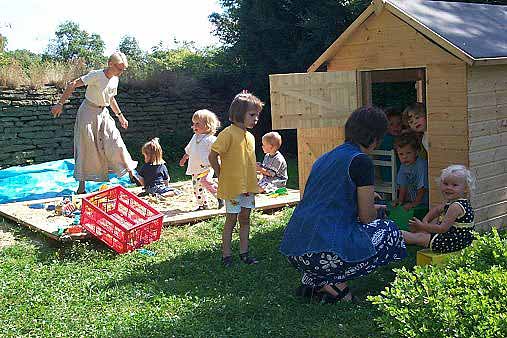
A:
248	300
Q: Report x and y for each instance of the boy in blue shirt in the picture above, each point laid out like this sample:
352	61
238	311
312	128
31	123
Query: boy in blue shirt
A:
412	178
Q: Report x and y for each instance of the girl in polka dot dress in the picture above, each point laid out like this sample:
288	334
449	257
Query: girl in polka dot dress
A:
448	226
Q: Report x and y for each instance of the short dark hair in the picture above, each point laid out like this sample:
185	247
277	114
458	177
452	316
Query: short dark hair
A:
243	103
392	111
366	125
409	138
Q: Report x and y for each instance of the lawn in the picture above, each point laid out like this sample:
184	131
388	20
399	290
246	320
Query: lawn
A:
84	289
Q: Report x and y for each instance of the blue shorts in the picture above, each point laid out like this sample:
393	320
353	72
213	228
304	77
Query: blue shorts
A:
246	200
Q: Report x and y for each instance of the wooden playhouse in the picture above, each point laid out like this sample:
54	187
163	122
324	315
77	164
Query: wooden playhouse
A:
456	56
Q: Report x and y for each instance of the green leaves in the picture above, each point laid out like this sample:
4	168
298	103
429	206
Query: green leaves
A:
465	298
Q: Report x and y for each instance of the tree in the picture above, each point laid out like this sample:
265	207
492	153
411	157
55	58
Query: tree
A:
3	43
71	42
130	47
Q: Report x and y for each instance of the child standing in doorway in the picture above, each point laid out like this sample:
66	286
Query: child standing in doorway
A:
153	174
394	129
412	177
204	124
448	226
237	180
415	117
274	166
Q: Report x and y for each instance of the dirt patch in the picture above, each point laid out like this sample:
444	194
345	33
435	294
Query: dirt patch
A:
6	237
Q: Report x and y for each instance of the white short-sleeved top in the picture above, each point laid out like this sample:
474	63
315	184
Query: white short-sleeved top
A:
198	150
99	88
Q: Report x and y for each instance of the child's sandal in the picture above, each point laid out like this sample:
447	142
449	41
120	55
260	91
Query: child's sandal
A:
227	261
245	258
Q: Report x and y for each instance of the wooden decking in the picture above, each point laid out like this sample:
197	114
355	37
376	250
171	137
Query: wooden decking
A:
177	210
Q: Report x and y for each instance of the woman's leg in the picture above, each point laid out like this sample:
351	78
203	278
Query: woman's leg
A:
81	187
418	238
230	222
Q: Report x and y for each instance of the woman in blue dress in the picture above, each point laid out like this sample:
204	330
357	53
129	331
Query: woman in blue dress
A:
334	234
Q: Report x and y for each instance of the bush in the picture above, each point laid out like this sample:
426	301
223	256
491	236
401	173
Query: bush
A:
465	298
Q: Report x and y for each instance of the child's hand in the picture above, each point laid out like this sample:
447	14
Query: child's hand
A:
395	203
408	206
258	167
415	224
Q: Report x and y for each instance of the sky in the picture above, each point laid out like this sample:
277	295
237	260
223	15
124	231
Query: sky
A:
30	24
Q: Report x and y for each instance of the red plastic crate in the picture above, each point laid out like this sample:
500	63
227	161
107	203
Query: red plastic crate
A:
120	219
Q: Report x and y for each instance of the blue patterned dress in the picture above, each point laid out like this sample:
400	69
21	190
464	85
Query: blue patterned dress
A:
324	239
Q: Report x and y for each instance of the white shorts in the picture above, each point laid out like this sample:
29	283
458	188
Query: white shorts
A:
246	200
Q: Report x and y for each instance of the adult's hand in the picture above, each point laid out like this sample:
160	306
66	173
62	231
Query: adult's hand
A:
56	110
123	121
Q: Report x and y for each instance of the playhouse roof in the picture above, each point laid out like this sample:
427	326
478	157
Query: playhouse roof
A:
475	33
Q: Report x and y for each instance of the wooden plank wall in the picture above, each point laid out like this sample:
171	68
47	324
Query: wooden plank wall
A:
447	121
487	119
386	42
312	100
312	143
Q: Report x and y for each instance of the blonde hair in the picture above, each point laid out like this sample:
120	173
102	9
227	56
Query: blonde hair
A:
417	108
243	103
459	171
153	151
208	118
118	58
273	138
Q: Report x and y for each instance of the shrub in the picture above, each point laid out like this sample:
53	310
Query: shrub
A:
465	298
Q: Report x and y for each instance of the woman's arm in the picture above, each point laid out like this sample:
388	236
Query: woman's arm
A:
365	204
116	109
450	217
213	161
56	110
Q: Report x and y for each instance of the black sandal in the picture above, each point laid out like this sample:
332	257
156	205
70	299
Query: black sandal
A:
227	261
328	298
306	291
245	258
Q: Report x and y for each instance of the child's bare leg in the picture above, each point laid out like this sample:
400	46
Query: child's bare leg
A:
244	229
418	238
230	222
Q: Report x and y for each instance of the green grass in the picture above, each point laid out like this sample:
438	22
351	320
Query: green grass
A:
84	289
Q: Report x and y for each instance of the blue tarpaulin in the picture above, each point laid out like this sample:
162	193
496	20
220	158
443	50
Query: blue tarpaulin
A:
45	180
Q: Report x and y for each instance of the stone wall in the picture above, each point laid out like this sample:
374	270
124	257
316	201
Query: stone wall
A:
29	134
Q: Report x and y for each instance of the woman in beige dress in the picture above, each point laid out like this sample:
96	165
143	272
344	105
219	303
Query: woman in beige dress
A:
98	146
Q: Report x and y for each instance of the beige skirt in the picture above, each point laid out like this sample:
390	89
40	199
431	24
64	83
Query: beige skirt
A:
98	146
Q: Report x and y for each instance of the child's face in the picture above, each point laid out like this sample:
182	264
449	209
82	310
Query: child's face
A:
453	187
407	154
417	123
199	127
146	158
251	119
268	148
394	127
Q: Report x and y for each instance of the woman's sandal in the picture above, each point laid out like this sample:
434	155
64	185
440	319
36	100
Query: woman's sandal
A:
245	258
328	298
306	291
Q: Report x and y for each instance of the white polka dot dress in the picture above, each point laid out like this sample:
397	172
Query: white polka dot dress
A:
459	234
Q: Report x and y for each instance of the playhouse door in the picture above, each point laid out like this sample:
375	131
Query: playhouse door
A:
317	105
